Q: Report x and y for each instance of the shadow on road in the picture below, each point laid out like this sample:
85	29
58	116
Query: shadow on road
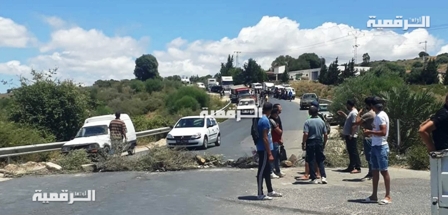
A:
307	182
355	180
361	201
248	198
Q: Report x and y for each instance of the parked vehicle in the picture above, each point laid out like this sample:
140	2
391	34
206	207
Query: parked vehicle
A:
194	131
438	161
201	85
216	89
226	83
211	82
237	90
323	108
306	99
94	135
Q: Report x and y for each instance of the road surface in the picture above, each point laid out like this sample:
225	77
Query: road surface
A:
218	191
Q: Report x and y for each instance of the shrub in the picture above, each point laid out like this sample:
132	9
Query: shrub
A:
73	160
302	87
360	87
153	85
59	107
417	157
142	123
14	134
199	95
411	108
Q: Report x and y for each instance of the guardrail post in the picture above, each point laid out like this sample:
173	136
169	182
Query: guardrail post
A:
398	136
9	160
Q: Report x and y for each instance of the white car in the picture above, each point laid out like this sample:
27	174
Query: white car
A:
247	107
194	131
201	85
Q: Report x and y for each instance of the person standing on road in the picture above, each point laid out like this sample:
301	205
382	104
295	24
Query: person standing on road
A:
276	139
438	126
306	176
314	140
366	121
350	135
264	150
117	133
380	151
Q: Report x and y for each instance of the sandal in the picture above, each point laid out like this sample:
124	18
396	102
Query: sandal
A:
384	202
369	200
302	177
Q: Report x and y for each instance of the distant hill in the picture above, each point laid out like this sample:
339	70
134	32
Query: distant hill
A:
408	63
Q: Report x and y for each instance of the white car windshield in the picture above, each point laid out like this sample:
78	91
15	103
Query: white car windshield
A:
309	96
245	103
323	108
190	123
90	131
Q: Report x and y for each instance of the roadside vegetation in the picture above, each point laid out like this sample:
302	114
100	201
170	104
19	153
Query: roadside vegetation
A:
45	109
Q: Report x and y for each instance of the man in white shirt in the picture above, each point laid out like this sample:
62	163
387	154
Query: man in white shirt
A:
379	157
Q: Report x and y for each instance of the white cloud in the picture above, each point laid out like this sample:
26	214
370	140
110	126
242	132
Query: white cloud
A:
54	21
88	55
14	68
274	36
13	34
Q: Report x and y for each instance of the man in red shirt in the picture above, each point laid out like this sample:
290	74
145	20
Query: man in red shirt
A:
277	140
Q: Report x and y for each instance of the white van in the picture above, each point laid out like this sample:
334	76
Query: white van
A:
94	135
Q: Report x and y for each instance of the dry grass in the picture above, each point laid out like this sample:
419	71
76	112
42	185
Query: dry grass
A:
301	87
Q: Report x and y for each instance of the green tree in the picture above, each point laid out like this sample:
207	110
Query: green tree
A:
227	67
252	72
417	64
415	76
348	72
442	59
323	74
309	61
333	73
146	67
422	54
430	75
388	67
285	75
365	59
49	104
445	78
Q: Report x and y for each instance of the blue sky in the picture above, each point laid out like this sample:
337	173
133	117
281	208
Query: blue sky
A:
163	21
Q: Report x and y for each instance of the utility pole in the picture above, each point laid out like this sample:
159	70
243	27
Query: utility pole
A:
424	56
236	59
356	34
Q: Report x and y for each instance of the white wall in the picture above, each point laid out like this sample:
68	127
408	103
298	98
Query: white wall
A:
279	69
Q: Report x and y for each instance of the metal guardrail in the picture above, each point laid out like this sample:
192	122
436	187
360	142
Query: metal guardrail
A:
8	152
47	147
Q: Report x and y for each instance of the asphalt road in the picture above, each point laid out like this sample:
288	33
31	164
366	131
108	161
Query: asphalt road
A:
218	191
237	141
212	192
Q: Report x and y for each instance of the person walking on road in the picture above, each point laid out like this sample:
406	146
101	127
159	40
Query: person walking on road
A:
314	140
276	138
350	135
380	152
438	126
366	121
117	133
264	150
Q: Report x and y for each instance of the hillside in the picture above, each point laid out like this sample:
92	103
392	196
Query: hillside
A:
408	63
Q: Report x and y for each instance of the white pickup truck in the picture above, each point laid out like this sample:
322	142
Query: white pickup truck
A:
439	182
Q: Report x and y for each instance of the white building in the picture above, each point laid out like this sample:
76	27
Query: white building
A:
313	74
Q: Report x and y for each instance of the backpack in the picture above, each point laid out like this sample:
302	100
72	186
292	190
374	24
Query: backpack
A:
254	130
327	125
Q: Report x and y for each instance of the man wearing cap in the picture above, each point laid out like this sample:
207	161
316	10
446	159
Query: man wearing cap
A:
380	151
438	126
350	134
366	121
